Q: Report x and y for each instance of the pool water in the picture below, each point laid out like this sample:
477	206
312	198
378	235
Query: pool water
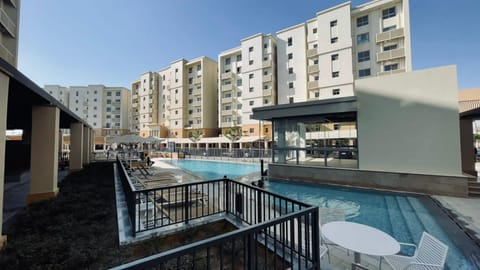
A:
403	217
216	170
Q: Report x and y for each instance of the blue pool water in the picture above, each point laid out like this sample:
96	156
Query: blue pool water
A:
216	170
403	217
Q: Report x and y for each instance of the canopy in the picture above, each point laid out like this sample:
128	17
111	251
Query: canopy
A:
130	138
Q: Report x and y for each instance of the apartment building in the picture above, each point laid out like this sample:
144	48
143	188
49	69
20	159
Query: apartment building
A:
9	20
321	58
177	101
247	76
106	109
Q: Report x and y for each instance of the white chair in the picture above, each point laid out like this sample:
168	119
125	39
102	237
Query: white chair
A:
430	254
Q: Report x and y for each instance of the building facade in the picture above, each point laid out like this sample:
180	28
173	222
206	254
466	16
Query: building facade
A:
247	79
320	59
177	101
9	25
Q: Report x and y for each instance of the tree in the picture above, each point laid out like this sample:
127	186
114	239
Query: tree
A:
196	136
234	133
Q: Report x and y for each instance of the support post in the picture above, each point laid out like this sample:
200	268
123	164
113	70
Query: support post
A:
86	154
76	146
44	153
4	83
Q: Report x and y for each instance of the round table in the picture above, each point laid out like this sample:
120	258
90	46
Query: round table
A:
360	238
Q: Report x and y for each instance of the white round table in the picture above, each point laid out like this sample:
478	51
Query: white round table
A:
360	238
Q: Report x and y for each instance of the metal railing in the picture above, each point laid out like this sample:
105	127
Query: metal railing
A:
235	154
275	231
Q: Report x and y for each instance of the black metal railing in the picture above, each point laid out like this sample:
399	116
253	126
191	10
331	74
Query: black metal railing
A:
277	232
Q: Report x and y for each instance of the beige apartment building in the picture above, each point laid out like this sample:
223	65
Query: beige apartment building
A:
177	101
247	79
321	58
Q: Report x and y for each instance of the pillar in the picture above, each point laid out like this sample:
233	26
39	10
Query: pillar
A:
4	82
44	153
86	142
76	146
92	144
467	146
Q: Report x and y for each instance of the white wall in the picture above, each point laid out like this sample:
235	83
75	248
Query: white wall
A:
409	122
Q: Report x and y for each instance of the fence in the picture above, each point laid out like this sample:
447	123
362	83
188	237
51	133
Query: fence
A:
245	155
277	232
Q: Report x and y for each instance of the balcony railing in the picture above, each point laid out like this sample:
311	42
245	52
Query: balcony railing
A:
267	63
312	52
197	81
7	55
267	92
276	232
313	68
196	92
7	23
389	55
391	72
226	76
385	36
227	87
227	100
313	85
226	112
267	78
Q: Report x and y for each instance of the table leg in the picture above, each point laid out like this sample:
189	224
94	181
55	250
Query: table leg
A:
356	257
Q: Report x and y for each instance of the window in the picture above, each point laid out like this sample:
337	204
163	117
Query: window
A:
336	126
364	72
317	94
239	69
361	21
290	70
363	56
333	23
227	61
176	112
239	58
239	93
334	40
199	67
290	56
250	49
265	87
265	101
251	130
314	30
250	76
251	102
109	94
334	57
290	85
290	41
389	47
228	82
239	106
190	70
335	74
363	38
315	62
389	28
117	94
190	80
190	91
388	13
239	82
176	70
250	62
190	101
251	89
390	67
265	45
336	92
290	100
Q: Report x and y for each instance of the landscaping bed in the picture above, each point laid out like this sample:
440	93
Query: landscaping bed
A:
78	229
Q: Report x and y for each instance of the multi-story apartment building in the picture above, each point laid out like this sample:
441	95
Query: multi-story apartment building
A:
178	100
321	58
9	20
247	79
106	109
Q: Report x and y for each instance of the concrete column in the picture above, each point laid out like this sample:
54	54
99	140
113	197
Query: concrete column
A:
92	144
4	82
44	153
467	147
86	147
76	146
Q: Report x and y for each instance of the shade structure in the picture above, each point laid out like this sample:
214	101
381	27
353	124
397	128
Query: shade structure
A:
127	139
153	139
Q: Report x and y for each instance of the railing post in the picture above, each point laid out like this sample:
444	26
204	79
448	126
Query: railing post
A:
186	204
316	240
227	195
259	206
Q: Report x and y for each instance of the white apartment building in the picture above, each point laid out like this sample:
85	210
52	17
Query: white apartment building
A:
321	58
247	79
181	99
106	109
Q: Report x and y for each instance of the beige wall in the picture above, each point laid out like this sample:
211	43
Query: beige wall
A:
409	122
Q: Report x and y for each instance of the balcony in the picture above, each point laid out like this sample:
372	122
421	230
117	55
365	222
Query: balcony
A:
14	3
197	80
312	52
392	54
7	23
267	92
7	55
134	105
285	231
267	63
197	114
197	92
267	78
313	85
226	76
313	68
134	96
227	87
385	36
226	112
197	103
227	100
391	72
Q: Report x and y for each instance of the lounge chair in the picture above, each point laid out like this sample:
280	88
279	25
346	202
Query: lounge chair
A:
430	254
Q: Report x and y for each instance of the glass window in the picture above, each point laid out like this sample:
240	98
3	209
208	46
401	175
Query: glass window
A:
239	82
250	49
333	23
314	30
388	13
361	21
239	58
334	57
227	61
251	102
389	28
290	56
250	62
389	47
335	74
390	67
363	56
290	70
364	72
290	41
363	38
334	40
336	92
290	85
250	76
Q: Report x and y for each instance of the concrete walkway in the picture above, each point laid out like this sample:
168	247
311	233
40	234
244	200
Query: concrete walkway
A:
467	210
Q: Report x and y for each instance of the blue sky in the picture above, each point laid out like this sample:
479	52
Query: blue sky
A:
112	42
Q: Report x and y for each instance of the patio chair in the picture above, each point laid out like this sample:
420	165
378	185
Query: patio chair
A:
430	254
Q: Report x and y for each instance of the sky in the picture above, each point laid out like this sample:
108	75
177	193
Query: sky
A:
112	42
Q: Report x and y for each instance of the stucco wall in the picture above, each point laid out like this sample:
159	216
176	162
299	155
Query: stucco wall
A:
409	122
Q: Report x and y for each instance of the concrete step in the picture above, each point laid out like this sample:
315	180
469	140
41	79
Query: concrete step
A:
473	193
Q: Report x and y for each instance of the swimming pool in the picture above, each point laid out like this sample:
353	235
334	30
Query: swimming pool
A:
216	170
403	217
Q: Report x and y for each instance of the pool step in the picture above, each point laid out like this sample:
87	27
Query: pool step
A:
414	225
474	188
398	223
